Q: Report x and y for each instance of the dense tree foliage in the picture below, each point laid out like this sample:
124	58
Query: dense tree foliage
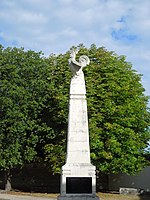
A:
34	110
24	90
118	113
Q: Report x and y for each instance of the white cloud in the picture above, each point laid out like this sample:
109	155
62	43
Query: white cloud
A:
54	26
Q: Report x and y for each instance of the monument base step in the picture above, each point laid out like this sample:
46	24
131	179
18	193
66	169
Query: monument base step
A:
78	197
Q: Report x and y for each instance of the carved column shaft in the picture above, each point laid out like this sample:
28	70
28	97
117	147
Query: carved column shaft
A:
78	150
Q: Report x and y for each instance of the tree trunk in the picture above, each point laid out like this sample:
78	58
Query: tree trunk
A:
8	181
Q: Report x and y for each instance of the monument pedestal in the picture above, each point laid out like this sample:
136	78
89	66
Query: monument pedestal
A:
78	179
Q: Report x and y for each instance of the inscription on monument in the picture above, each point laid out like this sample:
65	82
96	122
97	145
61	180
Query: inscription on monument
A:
79	185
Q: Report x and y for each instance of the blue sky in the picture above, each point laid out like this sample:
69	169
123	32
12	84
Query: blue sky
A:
53	26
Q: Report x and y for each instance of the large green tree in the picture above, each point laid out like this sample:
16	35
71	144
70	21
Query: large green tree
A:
119	118
118	114
24	89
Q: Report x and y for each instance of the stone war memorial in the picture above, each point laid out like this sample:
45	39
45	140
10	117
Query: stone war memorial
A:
78	176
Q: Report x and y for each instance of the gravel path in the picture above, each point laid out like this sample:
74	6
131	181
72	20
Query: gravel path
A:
22	197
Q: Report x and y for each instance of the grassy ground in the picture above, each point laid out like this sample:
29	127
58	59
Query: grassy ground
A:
103	196
107	196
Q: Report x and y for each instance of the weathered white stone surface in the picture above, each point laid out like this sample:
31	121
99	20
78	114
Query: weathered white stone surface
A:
78	162
78	150
131	191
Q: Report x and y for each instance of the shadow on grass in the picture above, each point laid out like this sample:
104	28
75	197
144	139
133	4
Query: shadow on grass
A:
144	197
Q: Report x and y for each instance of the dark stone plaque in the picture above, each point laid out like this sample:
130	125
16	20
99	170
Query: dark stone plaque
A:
78	185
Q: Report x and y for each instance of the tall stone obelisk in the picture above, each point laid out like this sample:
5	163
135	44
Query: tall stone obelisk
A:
78	179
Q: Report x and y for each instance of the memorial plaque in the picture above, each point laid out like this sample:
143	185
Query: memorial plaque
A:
79	185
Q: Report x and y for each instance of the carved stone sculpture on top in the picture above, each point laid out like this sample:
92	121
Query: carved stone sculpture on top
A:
77	86
75	66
